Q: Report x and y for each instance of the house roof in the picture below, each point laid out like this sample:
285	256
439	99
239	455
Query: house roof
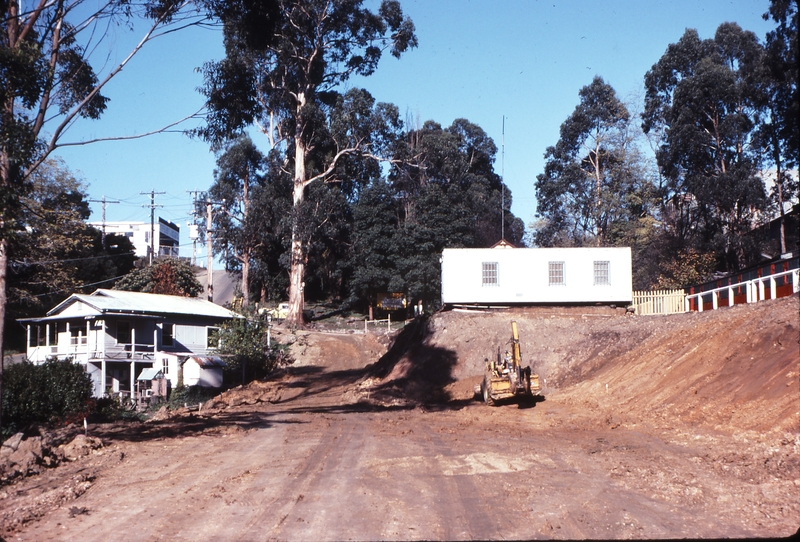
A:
207	362
150	374
102	302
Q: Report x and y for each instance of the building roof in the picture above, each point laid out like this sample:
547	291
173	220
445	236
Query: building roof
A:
150	374
121	302
208	362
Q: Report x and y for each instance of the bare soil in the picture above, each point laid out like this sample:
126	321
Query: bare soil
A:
650	427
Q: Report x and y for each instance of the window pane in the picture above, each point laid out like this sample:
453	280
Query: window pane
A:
601	273
123	332
166	335
556	273
490	274
212	337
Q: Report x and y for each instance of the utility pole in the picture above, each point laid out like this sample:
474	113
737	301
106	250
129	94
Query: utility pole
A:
210	254
193	226
152	222
103	200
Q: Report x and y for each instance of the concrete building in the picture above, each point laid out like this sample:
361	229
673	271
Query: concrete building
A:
167	236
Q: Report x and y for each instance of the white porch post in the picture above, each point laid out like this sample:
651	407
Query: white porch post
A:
103	376
133	377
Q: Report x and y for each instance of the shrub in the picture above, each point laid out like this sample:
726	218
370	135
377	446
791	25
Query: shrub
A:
48	393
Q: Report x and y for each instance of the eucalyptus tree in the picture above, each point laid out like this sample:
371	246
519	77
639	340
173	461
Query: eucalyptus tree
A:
284	61
705	95
778	130
593	176
237	176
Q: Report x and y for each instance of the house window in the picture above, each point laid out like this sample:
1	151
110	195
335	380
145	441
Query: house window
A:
601	274
123	332
212	337
556	273
167	331
489	274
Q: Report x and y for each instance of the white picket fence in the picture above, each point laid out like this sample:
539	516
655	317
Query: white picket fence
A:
659	302
756	290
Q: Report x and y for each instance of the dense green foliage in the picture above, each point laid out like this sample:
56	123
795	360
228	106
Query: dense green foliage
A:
39	394
243	342
168	276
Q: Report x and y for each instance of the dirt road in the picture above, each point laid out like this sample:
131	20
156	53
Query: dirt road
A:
321	463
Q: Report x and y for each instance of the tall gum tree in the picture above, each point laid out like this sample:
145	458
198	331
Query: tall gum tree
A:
706	96
284	60
590	174
47	82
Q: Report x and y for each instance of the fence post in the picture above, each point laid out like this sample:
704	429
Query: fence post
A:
761	294
772	287
715	300
730	297
365	326
389	323
796	281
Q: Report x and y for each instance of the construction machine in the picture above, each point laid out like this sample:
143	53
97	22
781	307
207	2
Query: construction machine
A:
506	378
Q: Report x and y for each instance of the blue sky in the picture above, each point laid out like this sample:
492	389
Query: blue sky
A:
477	59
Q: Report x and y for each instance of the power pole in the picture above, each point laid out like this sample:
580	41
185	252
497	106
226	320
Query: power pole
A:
103	200
193	225
152	222
210	254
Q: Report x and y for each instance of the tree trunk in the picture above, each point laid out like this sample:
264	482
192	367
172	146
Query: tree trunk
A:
246	248
297	270
3	299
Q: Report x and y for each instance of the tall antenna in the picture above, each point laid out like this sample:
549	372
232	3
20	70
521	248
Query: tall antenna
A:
502	183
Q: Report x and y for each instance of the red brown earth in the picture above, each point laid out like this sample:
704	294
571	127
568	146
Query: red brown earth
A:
650	427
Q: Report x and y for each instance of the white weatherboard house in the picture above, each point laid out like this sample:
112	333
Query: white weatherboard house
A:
501	275
116	335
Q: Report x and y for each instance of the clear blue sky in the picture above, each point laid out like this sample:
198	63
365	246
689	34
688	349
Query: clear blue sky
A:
477	59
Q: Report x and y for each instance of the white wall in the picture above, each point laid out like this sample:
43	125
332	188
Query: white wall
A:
523	275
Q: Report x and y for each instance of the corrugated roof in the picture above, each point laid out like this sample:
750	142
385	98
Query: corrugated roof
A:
116	301
208	361
149	374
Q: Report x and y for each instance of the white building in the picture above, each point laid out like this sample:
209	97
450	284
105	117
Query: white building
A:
167	236
117	334
502	275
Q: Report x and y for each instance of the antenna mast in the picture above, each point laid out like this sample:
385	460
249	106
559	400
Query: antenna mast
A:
502	183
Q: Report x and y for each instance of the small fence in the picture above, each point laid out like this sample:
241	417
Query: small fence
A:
749	291
659	302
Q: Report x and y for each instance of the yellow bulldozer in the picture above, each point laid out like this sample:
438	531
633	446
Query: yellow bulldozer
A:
505	377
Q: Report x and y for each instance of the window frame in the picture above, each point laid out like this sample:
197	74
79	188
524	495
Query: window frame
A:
605	273
212	334
490	274
164	335
556	273
129	331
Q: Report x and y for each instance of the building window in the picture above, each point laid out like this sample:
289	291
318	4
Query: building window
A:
601	274
556	273
490	274
123	332
212	337
167	331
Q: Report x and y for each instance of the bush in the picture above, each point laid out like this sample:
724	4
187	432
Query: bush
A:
243	342
48	393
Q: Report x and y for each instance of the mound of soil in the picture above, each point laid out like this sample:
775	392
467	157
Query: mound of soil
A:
733	369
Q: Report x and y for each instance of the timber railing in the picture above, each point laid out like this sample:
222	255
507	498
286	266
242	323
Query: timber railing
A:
748	291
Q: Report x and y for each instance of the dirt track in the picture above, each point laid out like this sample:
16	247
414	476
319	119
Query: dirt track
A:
687	426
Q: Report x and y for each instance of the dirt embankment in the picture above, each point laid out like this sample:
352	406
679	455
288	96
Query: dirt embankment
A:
731	370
